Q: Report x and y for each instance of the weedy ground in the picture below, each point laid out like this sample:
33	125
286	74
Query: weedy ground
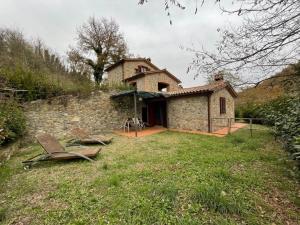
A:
167	178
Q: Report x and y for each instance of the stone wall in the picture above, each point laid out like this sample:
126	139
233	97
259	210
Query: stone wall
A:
147	83
152	80
58	116
219	120
188	113
115	76
140	83
126	70
129	67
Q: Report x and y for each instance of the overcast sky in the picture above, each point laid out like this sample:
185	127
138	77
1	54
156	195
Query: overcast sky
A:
146	28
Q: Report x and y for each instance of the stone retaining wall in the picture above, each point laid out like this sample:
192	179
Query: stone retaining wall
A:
58	116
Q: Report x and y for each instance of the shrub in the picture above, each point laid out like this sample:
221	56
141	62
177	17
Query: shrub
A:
116	86
284	115
12	121
249	110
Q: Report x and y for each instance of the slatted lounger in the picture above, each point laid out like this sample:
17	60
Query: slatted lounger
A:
82	137
55	151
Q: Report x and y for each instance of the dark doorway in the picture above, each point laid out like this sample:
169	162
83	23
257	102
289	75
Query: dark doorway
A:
157	113
145	114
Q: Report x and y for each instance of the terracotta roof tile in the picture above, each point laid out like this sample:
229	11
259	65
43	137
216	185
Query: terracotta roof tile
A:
209	88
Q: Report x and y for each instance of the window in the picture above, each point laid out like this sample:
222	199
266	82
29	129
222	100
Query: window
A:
141	69
163	87
222	105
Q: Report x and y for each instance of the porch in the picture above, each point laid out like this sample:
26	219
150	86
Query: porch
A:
158	129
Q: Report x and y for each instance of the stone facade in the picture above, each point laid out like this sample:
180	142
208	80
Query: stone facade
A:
129	67
188	113
126	70
151	82
221	120
116	75
58	116
148	82
140	83
99	113
191	112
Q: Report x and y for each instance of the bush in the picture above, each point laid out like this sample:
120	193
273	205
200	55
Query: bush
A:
116	86
248	110
42	85
12	122
284	115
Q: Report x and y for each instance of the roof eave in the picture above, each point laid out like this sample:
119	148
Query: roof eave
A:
202	92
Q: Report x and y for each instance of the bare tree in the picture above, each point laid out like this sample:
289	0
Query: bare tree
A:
167	5
99	44
268	39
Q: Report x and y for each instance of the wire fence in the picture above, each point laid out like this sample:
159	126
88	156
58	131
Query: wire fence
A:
229	125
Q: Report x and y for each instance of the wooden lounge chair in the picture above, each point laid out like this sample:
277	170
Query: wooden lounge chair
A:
82	137
55	151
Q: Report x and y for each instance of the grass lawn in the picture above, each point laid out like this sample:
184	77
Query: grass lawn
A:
167	178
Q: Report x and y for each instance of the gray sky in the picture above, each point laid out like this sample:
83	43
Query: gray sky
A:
146	28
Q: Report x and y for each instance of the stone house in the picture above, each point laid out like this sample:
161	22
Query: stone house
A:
162	101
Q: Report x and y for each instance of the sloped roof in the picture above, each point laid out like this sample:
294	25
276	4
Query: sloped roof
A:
209	88
141	74
143	94
205	89
120	62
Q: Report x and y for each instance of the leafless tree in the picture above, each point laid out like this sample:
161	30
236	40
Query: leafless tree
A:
167	5
267	39
99	44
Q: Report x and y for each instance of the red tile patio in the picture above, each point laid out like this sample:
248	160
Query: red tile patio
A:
142	133
157	129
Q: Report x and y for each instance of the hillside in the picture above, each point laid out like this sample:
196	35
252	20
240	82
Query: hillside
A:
283	83
31	65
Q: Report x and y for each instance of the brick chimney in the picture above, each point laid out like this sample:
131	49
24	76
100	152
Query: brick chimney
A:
218	77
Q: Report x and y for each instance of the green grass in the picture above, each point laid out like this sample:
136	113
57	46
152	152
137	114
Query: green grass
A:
168	178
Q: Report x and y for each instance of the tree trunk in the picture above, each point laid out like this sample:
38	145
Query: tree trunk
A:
98	74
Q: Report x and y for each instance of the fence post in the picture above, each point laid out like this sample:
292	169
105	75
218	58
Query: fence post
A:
251	127
229	125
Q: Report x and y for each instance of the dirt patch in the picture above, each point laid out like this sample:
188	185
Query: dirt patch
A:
7	152
280	205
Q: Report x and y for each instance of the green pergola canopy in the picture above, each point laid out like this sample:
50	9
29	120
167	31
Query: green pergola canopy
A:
137	94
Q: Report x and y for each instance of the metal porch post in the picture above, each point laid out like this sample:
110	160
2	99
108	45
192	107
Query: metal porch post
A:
135	113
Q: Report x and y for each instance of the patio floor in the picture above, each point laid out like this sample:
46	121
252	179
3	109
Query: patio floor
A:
141	133
218	133
157	129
